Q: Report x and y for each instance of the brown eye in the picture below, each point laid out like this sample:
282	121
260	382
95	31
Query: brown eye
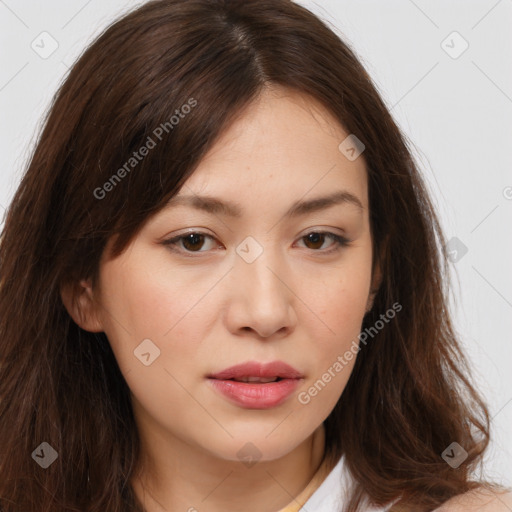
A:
188	243
193	241
316	239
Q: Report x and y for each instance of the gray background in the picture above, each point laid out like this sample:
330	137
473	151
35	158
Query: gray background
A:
455	109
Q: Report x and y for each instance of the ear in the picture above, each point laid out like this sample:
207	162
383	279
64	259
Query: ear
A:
375	285
79	302
376	280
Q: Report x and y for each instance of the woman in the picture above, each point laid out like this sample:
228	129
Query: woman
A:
222	286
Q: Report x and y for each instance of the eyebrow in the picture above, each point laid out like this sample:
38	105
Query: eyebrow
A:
215	206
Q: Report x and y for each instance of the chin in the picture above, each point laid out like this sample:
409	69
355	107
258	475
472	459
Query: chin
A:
251	448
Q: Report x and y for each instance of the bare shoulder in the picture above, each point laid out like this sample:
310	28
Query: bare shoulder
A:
479	500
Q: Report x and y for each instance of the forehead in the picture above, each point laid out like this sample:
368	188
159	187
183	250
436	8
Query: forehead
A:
284	145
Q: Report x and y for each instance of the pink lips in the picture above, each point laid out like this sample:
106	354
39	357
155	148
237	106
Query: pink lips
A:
259	394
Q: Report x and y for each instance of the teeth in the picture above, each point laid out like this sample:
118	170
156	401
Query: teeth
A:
262	380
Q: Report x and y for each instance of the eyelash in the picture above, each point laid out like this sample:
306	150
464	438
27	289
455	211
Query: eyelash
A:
340	242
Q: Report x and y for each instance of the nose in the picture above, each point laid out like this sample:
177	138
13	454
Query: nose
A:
261	297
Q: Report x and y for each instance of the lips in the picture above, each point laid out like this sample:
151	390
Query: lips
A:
254	370
261	380
256	385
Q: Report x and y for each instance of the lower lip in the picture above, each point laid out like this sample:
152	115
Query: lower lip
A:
256	396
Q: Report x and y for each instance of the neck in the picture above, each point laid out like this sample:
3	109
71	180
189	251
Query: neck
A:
187	478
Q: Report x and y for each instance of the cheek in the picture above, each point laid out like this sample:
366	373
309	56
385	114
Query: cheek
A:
341	295
143	295
142	300
340	306
140	305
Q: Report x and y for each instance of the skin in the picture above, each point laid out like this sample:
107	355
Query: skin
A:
295	303
479	501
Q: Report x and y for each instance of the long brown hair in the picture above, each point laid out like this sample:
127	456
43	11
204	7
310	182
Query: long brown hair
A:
409	395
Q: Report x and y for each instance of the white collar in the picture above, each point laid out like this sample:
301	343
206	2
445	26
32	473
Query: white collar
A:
333	492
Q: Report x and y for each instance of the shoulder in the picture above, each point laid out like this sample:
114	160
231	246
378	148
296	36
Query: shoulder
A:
479	500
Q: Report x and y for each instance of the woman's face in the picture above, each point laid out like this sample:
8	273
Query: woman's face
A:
252	287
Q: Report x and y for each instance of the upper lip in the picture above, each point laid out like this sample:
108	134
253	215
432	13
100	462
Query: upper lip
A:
256	369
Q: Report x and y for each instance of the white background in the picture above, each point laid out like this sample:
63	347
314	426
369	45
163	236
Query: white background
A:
457	113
